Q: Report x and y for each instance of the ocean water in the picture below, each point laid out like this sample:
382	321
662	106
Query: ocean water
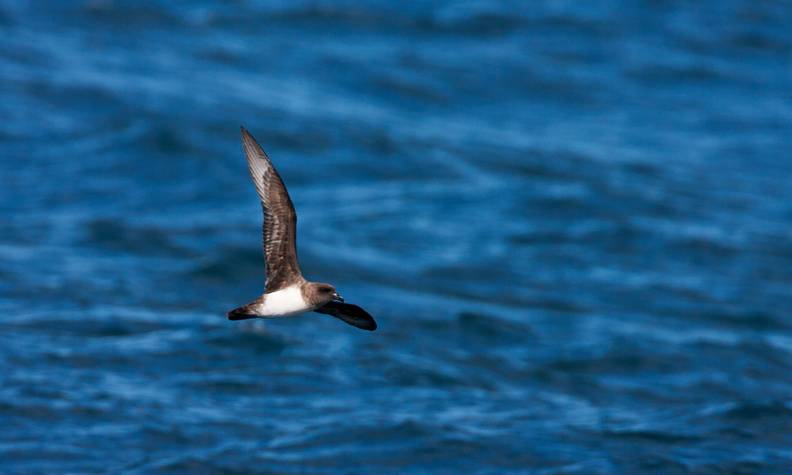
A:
572	221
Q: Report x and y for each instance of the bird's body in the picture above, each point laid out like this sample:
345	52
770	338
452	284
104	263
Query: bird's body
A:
281	303
286	291
284	302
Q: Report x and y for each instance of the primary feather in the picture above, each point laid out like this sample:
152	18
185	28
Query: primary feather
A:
280	219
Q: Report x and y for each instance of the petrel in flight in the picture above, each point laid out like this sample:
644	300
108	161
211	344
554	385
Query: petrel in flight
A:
286	291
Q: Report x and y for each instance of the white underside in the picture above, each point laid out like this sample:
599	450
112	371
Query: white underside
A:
282	303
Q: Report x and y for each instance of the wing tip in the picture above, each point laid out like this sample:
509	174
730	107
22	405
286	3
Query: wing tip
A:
245	134
364	324
251	145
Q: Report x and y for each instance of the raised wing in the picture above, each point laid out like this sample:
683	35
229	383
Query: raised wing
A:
280	220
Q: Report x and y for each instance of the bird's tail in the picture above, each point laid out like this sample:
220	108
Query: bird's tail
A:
241	313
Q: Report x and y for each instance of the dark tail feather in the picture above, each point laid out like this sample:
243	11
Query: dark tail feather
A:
351	314
240	313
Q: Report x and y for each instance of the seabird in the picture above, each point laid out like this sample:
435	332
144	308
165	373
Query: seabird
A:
286	291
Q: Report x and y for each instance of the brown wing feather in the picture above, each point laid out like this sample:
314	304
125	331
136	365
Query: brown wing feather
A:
280	220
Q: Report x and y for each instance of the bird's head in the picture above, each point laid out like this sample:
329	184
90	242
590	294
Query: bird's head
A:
318	293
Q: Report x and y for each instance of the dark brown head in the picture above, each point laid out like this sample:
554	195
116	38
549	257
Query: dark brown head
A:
318	294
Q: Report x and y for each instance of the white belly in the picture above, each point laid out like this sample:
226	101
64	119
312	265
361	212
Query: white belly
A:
284	302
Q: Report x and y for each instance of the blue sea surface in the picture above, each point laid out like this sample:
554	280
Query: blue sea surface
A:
571	220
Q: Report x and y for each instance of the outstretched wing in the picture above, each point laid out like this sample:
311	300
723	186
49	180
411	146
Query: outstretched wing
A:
280	220
349	313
